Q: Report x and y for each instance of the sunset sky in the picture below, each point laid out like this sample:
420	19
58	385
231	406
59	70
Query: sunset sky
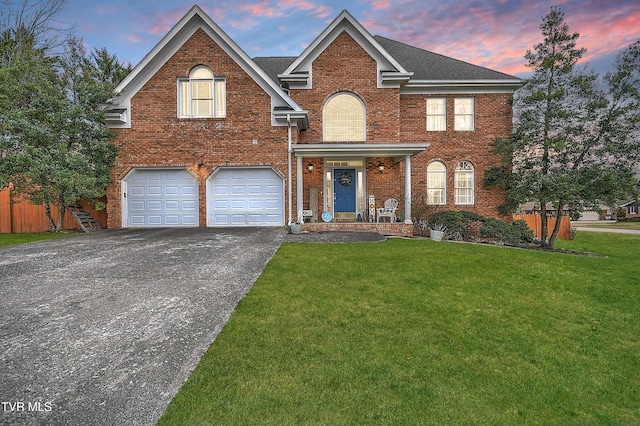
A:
494	34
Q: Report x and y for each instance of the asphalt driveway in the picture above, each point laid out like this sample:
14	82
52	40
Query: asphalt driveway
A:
104	328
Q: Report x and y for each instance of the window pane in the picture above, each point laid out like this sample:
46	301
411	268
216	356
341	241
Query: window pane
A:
221	96
436	183
464	113
202	107
202	73
184	98
202	90
344	119
464	183
436	115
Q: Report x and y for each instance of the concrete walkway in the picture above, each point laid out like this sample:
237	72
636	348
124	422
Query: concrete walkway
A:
612	230
104	328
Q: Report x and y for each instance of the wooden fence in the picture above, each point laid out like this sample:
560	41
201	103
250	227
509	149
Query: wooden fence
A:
535	223
19	216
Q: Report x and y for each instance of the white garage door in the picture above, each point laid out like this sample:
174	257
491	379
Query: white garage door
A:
160	197
245	197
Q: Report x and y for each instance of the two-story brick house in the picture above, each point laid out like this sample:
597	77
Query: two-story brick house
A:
210	137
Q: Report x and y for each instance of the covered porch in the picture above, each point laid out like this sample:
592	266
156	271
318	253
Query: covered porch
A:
342	186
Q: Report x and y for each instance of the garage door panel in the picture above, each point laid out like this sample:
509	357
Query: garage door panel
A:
245	197
189	190
255	190
154	220
154	205
171	205
189	205
161	197
136	190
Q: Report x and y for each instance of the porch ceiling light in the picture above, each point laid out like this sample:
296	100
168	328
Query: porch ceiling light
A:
381	167
310	167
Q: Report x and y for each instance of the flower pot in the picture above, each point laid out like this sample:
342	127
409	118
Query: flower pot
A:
296	228
436	235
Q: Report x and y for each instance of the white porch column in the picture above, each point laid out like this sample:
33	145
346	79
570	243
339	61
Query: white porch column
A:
407	190
299	188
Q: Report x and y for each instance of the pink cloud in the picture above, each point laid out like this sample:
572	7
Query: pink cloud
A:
245	23
134	38
497	36
164	21
381	4
297	4
260	9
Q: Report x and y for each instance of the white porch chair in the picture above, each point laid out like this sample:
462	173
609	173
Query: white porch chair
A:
389	210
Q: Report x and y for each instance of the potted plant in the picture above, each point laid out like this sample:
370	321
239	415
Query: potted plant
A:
437	232
296	227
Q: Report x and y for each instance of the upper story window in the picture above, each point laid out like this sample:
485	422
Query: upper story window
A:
464	112
344	119
436	114
202	94
464	177
436	183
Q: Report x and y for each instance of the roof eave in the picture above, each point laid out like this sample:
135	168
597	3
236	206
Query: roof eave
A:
487	86
344	150
301	118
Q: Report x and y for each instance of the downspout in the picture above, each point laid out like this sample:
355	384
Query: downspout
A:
289	176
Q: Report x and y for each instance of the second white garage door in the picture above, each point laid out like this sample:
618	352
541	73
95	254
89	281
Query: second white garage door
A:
238	196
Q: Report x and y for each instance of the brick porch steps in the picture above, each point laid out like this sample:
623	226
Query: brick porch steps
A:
398	229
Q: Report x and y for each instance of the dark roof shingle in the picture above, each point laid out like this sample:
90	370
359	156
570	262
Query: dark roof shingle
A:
425	65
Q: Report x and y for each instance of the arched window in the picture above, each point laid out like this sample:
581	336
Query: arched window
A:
464	183
436	183
202	94
344	119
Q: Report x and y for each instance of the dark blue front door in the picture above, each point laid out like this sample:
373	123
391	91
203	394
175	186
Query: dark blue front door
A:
344	189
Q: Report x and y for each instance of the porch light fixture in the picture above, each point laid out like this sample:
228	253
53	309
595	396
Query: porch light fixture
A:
310	167
381	167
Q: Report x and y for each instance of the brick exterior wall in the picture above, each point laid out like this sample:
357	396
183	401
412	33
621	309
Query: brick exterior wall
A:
158	138
396	118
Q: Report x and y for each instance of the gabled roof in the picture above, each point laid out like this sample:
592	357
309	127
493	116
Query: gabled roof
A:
299	71
427	65
194	20
398	63
274	65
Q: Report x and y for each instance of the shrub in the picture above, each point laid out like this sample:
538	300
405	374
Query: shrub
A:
526	233
470	226
497	230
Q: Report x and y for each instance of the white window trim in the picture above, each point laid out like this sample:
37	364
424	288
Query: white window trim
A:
633	209
471	115
443	115
443	188
459	171
216	110
364	118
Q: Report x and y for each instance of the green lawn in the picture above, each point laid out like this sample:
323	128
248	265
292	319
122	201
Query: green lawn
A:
410	332
12	239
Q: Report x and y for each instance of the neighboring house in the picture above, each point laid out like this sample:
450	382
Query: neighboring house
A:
631	209
210	137
531	207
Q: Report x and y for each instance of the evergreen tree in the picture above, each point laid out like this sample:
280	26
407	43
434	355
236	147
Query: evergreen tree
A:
54	145
573	144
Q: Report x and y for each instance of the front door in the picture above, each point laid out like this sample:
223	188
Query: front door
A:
344	190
